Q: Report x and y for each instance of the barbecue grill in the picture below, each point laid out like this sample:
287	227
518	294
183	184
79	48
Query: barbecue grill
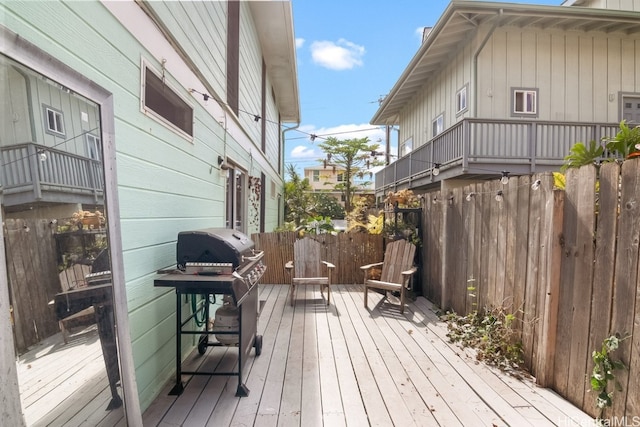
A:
216	261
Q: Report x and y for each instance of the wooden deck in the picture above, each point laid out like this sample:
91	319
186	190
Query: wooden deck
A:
345	365
66	385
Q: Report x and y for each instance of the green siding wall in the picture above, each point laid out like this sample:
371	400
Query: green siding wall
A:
166	183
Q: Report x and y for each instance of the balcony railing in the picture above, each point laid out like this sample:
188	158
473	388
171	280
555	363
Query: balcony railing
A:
474	148
35	173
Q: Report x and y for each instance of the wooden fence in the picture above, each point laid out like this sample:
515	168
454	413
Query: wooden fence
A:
33	279
565	262
348	251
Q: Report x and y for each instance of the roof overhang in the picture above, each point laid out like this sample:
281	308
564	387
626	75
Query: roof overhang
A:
274	24
460	22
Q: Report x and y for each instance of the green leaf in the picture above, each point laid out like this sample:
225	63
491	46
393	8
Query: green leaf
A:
580	155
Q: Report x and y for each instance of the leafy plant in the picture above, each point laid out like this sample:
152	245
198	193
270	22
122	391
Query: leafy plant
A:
491	333
603	371
581	154
626	141
353	156
374	224
624	144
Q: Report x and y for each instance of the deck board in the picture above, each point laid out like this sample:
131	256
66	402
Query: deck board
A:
66	384
337	365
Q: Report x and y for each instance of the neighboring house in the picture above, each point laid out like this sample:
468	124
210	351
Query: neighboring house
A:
501	87
324	179
181	104
50	146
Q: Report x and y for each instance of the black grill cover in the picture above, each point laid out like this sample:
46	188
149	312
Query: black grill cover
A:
213	245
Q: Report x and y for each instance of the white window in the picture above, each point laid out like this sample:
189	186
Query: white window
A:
93	147
406	147
461	100
525	101
236	199
316	176
438	125
340	177
165	104
55	121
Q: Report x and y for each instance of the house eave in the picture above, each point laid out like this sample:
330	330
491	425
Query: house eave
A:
274	24
462	18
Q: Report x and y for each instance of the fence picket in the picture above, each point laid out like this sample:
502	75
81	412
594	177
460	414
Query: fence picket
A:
547	256
604	260
626	289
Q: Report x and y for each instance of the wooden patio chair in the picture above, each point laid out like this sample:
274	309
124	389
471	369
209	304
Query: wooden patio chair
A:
308	267
72	278
397	271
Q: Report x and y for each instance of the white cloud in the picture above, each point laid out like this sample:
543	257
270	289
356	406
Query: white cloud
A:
299	42
302	152
340	55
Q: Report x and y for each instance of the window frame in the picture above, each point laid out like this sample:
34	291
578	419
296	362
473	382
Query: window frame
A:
59	120
94	146
437	125
158	116
236	198
462	95
315	175
514	102
406	147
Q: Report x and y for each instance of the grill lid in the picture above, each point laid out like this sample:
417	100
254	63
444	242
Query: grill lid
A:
220	245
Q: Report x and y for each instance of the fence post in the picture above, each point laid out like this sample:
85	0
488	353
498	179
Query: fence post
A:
552	229
12	411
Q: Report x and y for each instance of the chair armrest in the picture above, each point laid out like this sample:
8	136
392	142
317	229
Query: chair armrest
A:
328	264
409	272
369	266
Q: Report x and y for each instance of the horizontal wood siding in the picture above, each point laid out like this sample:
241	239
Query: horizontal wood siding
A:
167	183
201	30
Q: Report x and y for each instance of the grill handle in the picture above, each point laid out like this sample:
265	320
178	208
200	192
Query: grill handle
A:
256	257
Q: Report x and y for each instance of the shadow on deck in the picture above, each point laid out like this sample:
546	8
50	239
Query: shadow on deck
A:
346	365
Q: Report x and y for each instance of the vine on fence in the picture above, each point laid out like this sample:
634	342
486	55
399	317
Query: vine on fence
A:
603	371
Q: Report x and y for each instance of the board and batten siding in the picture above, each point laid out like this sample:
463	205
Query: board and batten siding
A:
633	5
438	96
166	183
578	75
28	97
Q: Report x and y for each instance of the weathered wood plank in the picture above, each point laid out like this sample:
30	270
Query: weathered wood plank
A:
625	288
311	414
550	282
565	305
582	289
370	393
381	361
531	287
354	411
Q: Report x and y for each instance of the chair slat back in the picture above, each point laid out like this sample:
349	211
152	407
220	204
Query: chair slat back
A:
398	257
307	258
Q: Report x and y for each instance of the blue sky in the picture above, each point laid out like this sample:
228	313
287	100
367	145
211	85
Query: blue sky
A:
350	53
